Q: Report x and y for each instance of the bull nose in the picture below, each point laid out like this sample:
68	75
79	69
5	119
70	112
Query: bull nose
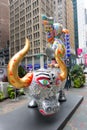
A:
49	109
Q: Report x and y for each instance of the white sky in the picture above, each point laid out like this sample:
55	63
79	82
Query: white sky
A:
85	3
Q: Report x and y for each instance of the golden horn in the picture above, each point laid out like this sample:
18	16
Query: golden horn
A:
62	66
12	69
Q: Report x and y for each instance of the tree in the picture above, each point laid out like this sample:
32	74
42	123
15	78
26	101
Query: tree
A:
77	76
21	71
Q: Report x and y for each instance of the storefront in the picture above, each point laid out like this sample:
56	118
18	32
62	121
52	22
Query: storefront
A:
36	66
29	67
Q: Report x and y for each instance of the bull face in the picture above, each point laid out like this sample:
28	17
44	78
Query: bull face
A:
43	89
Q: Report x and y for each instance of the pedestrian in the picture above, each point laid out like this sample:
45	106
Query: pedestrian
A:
68	81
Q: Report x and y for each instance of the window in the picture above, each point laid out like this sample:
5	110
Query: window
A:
28	23
22	13
28	2
28	9
59	1
36	35
37	50
29	30
21	6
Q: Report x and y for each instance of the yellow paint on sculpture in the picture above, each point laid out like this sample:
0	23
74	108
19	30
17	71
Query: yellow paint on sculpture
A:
12	69
59	53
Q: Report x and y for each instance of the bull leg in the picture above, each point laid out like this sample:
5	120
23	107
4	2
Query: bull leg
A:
32	103
62	97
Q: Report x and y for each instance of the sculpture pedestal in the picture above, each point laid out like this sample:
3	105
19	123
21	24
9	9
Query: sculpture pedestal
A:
24	118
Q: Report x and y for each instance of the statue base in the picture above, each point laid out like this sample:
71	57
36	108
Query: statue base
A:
24	118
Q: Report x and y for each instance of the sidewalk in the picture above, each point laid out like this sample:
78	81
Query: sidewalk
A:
11	104
78	121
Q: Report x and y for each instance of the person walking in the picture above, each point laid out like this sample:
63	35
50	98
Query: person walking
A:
68	81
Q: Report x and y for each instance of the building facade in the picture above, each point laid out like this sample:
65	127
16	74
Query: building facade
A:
4	32
86	25
26	21
64	15
81	24
70	24
4	56
4	23
61	12
75	24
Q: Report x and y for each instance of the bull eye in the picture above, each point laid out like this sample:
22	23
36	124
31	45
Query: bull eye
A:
44	82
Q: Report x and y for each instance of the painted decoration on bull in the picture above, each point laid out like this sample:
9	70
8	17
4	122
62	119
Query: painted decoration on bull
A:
44	85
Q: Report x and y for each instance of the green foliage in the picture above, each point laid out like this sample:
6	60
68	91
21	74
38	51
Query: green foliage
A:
21	71
12	92
77	76
12	95
1	96
21	92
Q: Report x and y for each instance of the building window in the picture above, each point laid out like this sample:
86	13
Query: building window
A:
28	2
29	30
37	51
22	20
22	13
85	16
28	16
28	9
36	35
29	60
37	43
22	26
36	27
22	6
22	33
28	23
59	1
86	43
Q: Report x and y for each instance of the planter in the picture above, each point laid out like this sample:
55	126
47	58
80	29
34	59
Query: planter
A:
3	88
14	93
1	96
79	82
77	76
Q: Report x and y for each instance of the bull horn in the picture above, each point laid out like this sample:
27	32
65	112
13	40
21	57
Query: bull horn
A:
59	53
12	69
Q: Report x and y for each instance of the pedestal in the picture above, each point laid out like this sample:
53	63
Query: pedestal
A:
24	118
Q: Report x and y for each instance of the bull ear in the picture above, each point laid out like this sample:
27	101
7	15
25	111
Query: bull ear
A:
12	69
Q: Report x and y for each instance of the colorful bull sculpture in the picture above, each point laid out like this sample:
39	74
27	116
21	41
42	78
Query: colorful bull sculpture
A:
45	85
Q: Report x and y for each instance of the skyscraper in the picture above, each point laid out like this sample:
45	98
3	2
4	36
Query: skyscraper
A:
70	23
75	24
4	23
25	21
79	24
64	15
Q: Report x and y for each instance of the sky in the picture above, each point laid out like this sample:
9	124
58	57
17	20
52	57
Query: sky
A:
85	3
